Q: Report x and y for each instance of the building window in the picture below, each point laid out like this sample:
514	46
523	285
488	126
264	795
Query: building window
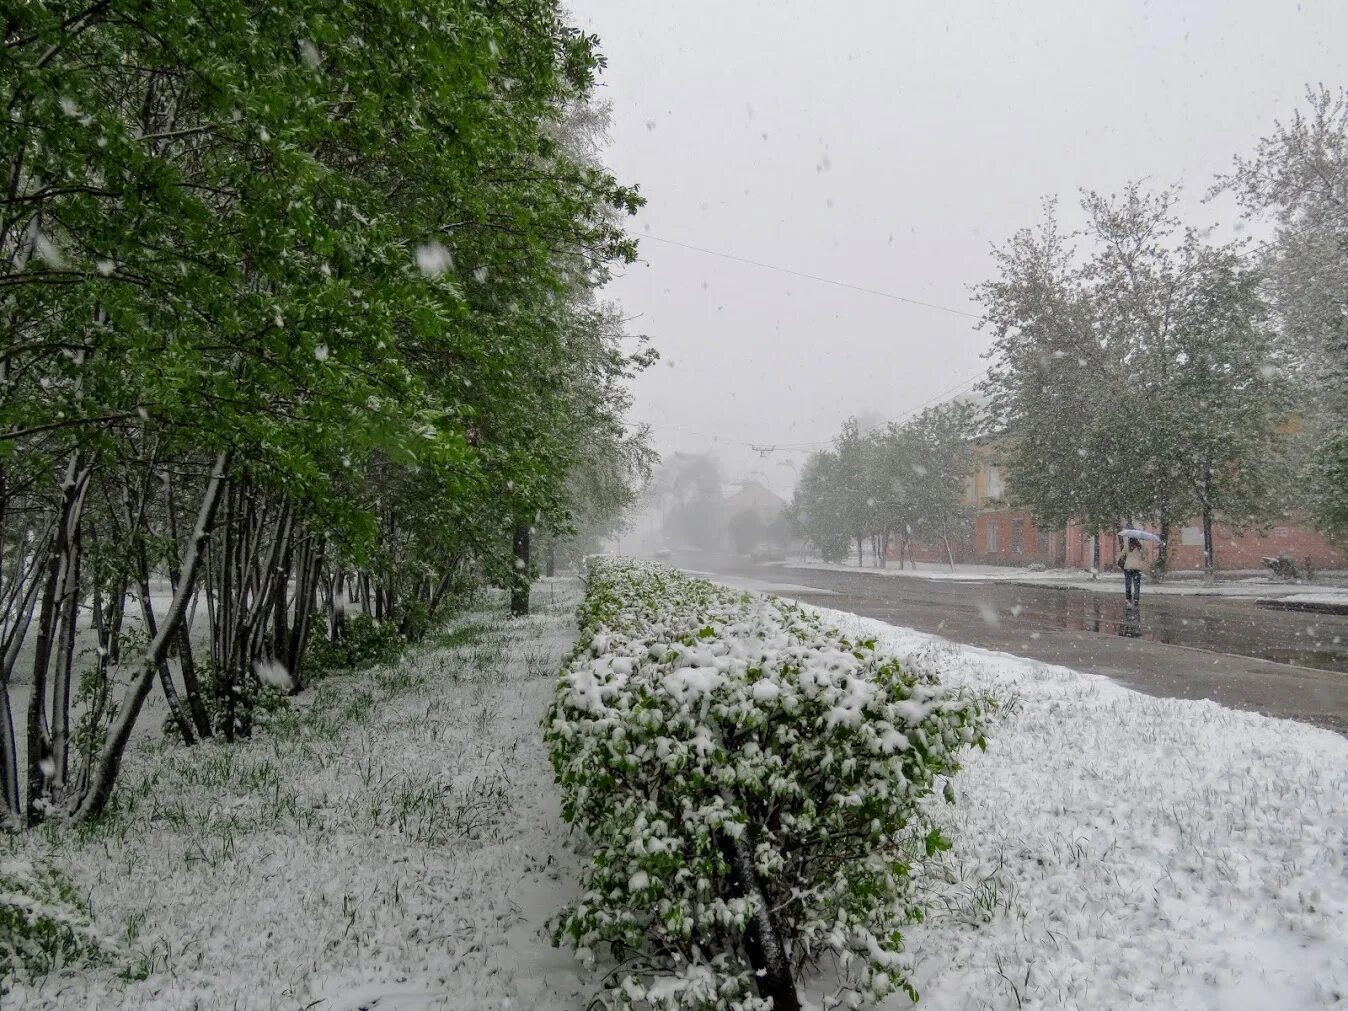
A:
992	538
1192	537
1018	537
992	480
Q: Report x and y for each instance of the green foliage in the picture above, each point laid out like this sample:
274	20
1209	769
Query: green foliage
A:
44	925
1297	176
907	479
701	737
349	250
1138	380
365	642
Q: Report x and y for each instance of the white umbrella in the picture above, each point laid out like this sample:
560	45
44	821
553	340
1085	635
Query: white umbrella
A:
1141	535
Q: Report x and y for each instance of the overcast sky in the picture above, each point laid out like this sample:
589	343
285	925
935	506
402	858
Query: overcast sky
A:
886	144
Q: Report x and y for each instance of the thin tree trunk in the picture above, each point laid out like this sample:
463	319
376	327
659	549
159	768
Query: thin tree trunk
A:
31	580
41	767
1209	560
104	773
9	762
196	701
519	578
65	661
185	728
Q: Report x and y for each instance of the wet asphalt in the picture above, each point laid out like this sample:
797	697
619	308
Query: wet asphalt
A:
1281	663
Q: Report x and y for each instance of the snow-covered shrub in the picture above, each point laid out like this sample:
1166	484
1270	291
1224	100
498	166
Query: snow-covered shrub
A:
750	780
43	924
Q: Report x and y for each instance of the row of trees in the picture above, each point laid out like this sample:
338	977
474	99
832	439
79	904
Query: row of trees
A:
296	303
903	481
1143	372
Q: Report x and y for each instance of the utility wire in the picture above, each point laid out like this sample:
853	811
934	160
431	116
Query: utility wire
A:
812	277
801	446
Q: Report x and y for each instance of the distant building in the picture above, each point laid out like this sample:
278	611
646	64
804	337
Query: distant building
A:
1002	535
757	499
754	521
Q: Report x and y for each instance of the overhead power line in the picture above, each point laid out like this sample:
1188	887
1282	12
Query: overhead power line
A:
765	448
814	277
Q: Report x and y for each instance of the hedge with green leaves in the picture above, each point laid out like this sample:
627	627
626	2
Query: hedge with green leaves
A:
44	926
750	780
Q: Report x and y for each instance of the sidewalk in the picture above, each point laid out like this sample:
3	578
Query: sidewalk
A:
1108	581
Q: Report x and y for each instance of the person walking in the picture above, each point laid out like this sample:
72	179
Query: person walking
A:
1132	562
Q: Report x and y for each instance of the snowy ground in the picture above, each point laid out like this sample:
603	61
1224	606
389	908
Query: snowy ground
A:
1333	601
397	845
1115	850
1108	580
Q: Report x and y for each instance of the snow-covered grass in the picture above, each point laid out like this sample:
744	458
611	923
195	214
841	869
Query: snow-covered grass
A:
1116	850
393	842
398	845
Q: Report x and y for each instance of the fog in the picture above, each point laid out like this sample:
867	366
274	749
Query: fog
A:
885	146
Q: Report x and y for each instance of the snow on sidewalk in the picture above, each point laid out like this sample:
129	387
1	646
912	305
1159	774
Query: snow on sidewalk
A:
399	848
1109	580
1114	850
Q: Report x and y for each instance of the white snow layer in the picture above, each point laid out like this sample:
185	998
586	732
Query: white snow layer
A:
407	861
1112	850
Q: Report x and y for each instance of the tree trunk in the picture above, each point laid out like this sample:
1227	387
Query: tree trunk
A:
1209	561
65	660
42	771
196	702
1163	553
519	578
861	557
104	774
762	939
185	728
550	560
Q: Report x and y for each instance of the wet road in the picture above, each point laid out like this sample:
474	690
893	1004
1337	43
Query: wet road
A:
1282	663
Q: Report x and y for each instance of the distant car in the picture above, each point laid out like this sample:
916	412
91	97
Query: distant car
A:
663	554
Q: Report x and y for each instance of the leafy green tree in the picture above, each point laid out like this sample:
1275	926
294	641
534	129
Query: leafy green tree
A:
1138	382
296	304
1298	177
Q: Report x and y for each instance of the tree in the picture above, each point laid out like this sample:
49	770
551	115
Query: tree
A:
746	531
1149	358
942	461
818	508
1298	176
687	490
295	303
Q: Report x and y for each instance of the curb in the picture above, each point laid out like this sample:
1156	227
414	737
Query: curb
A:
1305	606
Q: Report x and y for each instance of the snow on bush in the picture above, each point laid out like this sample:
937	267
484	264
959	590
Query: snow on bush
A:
43	924
749	779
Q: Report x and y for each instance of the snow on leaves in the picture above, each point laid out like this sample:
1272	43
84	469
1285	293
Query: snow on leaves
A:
694	723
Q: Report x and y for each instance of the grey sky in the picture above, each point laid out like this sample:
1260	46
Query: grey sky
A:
886	144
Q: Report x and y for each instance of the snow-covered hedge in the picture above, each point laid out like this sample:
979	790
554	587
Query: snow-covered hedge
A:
750	781
43	924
